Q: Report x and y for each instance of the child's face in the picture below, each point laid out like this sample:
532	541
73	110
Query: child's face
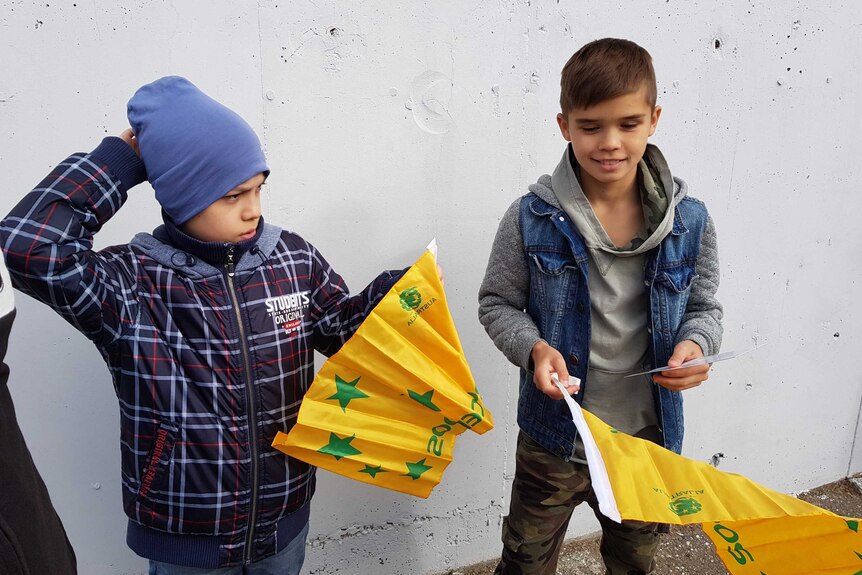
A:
231	218
609	138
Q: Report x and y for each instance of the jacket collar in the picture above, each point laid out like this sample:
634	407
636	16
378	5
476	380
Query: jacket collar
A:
213	253
160	248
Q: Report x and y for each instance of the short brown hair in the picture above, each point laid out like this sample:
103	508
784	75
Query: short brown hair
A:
605	69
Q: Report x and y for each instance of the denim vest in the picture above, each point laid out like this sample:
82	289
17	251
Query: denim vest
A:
559	304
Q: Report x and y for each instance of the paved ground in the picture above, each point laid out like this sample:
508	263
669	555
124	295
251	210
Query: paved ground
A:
686	550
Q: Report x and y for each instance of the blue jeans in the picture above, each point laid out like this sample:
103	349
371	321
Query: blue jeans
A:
287	562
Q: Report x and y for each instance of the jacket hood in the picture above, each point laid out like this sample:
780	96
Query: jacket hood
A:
157	246
544	187
653	167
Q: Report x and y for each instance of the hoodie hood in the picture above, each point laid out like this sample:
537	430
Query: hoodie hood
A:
563	190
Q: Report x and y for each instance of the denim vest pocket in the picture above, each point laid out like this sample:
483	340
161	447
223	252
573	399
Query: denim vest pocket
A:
674	286
552	279
678	278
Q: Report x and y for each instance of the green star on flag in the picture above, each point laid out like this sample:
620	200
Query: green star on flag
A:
339	447
346	391
372	471
415	470
424	398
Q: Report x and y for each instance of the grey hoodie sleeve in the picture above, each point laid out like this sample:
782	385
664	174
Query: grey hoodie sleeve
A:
701	322
504	293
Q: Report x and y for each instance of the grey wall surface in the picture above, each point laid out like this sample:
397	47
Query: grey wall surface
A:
855	465
387	124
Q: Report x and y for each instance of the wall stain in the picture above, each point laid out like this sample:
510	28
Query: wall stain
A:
430	93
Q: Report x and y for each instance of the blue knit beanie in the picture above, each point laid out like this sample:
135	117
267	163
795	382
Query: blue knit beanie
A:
195	149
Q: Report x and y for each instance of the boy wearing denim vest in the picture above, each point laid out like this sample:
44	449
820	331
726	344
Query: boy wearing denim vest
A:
605	268
208	327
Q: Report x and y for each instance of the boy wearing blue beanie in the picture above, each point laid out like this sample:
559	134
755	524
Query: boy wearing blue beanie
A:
208	326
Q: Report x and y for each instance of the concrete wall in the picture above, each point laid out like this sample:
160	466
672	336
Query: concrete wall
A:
387	124
855	465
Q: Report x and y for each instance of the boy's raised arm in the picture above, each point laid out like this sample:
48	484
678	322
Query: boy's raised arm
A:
47	238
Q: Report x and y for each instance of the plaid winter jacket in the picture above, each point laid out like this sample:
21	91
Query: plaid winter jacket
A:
208	363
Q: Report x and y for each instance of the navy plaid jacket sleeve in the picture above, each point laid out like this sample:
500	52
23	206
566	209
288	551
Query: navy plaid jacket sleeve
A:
338	316
47	240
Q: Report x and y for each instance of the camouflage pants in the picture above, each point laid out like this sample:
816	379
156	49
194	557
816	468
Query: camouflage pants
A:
545	491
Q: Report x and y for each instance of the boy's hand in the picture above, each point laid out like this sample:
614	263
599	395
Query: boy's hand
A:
128	136
680	379
546	361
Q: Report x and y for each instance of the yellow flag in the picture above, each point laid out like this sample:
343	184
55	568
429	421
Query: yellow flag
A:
755	530
387	407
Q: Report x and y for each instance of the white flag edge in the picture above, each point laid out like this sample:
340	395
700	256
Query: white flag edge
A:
598	471
432	247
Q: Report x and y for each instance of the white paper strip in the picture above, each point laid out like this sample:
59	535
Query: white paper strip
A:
598	471
699	361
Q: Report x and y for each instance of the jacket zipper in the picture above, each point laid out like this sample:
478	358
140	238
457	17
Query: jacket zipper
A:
251	410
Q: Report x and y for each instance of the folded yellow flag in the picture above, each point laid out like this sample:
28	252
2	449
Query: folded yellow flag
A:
755	530
387	407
